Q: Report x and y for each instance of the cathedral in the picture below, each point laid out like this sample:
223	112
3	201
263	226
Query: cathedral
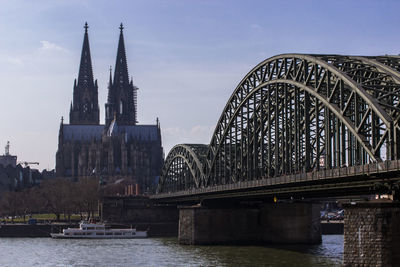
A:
118	149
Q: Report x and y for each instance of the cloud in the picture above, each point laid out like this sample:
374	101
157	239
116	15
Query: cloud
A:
48	46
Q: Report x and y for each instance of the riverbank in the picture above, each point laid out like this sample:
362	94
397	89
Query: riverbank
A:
44	230
154	229
27	230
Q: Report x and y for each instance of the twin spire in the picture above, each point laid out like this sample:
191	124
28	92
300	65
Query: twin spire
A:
121	94
121	101
85	76
121	66
84	106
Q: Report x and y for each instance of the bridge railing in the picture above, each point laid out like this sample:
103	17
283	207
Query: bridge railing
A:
337	173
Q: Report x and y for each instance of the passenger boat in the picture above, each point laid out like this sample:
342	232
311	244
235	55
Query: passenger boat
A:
98	231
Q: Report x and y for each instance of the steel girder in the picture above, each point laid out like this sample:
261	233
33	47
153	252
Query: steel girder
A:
295	113
183	168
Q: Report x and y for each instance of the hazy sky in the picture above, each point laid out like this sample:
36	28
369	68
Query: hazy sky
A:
186	57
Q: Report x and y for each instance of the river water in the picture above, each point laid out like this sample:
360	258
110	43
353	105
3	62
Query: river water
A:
162	252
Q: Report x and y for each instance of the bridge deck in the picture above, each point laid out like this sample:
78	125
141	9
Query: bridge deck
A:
330	182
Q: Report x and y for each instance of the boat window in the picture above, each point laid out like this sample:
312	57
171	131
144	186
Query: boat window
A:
117	233
99	233
90	228
110	233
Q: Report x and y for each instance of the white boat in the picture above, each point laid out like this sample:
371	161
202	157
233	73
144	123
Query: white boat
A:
98	231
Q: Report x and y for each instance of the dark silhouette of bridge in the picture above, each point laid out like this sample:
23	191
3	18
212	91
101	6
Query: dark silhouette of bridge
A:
304	125
297	128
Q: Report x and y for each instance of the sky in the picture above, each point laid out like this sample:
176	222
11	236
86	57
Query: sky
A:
185	56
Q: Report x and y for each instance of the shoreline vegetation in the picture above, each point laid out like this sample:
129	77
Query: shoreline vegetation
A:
52	200
46	218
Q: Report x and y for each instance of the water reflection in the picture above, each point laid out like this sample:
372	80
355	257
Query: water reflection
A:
329	253
162	252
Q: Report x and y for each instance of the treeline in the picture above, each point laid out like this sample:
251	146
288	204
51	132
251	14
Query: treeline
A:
56	196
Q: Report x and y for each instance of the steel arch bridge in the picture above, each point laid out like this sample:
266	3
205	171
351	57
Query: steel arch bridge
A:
296	113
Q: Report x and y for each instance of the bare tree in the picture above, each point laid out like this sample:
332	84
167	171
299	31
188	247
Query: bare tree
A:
55	195
89	195
11	204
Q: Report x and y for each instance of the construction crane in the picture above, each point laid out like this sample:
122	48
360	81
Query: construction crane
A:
28	163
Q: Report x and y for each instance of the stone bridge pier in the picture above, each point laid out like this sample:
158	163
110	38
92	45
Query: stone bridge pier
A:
372	234
288	223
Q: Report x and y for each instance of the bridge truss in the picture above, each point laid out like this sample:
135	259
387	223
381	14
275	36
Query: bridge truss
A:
296	113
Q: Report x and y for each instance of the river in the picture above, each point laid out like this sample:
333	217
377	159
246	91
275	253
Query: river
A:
15	252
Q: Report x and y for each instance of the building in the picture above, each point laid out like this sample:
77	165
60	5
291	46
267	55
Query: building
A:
8	159
118	149
19	175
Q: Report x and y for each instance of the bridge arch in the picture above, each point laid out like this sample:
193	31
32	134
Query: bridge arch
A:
357	96
295	113
183	168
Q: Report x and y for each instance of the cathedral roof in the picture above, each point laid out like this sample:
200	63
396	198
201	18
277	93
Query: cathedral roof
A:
140	132
113	128
82	132
89	132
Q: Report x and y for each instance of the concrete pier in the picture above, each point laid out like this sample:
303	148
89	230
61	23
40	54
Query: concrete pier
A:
287	223
140	211
372	234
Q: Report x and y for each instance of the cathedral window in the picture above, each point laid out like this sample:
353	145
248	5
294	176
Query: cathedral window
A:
85	107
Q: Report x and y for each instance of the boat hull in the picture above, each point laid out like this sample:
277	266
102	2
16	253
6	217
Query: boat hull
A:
98	231
62	236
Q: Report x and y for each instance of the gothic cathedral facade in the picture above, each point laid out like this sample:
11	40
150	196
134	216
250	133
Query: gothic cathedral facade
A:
118	149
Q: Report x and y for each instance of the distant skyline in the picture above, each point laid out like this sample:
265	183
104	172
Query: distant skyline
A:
186	57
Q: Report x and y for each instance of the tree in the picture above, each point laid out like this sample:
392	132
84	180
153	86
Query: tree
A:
55	194
11	204
88	194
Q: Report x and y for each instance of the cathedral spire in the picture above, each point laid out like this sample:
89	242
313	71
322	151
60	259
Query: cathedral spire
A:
121	76
122	93
110	80
61	132
85	77
85	108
